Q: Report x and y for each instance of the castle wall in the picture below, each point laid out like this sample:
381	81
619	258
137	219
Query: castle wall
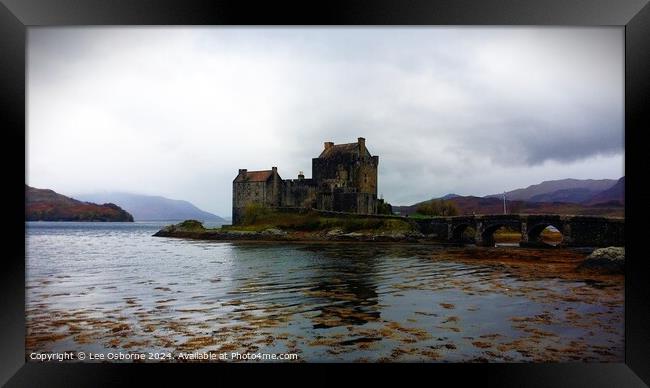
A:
274	188
267	193
345	201
347	182
337	171
298	193
325	201
244	193
366	175
366	203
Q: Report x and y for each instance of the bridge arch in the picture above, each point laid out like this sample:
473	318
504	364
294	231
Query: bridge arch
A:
487	236
486	228
458	231
535	231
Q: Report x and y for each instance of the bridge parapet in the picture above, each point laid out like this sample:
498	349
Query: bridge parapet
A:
595	231
576	230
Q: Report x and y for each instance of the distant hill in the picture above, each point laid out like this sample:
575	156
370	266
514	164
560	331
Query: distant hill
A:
47	205
577	195
615	194
563	190
605	197
468	205
153	208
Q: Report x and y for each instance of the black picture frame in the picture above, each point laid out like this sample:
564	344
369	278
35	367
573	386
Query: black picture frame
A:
17	15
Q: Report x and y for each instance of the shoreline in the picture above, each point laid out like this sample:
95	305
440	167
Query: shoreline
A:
195	230
312	238
504	253
274	235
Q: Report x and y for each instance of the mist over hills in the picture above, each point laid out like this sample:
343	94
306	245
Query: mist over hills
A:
153	208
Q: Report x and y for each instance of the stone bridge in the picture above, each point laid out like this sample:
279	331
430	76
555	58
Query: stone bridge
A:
577	231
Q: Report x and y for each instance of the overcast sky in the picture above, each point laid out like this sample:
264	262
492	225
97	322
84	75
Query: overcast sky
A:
177	111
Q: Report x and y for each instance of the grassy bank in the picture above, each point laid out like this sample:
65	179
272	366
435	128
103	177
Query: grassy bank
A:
308	226
264	219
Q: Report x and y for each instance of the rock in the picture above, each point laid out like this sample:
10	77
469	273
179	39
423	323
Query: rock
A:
396	236
415	234
182	229
354	235
335	232
239	233
274	232
611	259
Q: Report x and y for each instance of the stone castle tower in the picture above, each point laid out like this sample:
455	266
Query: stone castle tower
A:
344	178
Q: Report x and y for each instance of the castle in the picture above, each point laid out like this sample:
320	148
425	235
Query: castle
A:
344	178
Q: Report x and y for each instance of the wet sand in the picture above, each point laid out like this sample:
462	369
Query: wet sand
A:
596	288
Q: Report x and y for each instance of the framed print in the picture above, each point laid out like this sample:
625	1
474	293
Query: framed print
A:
444	188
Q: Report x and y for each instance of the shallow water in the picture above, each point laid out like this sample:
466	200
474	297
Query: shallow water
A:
112	287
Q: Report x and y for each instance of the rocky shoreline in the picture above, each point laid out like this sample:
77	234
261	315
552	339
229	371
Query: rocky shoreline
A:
275	235
607	260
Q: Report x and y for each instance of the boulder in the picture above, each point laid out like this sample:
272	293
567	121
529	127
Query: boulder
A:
354	235
274	232
335	232
610	259
394	236
414	234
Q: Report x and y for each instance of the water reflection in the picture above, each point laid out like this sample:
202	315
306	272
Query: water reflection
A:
116	288
344	290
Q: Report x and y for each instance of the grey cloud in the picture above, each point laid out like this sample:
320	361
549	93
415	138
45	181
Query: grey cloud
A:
535	141
468	110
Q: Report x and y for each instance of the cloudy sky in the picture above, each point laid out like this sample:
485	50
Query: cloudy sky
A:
177	111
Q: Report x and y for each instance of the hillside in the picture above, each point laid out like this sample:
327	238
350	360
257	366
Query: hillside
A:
468	205
599	197
153	208
47	205
563	190
615	194
578	195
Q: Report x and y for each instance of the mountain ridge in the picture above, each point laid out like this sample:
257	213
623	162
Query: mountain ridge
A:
615	193
545	187
48	205
565	196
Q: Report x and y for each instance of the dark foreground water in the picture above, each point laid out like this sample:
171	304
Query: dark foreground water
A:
112	288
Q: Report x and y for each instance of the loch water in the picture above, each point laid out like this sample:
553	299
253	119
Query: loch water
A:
113	287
